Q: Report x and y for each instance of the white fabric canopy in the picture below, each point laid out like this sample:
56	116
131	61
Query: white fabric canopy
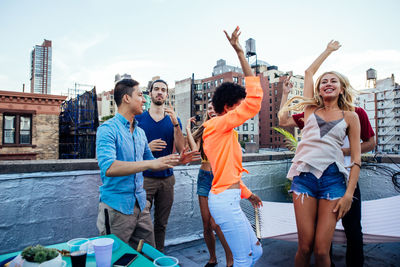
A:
380	221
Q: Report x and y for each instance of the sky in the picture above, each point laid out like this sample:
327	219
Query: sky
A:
95	39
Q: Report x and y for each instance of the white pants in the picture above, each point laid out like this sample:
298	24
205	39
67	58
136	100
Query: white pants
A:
225	209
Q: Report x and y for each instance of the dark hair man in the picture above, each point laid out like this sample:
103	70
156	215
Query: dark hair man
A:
163	131
123	154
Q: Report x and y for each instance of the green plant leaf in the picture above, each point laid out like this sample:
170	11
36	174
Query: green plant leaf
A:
290	140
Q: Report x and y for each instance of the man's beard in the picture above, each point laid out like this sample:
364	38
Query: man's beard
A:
157	102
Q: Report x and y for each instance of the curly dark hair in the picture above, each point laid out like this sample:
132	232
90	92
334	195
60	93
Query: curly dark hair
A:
227	94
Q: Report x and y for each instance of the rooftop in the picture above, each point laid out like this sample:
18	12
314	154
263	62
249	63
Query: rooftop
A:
50	202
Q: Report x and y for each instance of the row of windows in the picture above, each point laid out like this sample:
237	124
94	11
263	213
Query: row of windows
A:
215	83
245	127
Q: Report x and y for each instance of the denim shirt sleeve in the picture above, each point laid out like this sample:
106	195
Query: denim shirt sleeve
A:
105	148
147	155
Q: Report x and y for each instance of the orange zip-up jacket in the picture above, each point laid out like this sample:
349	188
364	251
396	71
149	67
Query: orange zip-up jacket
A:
221	143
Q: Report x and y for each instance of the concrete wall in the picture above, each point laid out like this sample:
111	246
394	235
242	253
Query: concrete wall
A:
53	207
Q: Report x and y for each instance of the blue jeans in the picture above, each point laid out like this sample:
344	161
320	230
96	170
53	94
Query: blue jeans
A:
331	185
204	181
225	209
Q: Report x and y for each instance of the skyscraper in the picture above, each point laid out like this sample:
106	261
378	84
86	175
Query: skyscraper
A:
41	68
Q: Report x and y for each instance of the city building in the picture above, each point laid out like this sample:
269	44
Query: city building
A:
184	97
29	125
193	95
221	67
272	83
106	104
41	58
382	104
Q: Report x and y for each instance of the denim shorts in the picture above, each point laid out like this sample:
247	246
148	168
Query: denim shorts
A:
331	185
204	181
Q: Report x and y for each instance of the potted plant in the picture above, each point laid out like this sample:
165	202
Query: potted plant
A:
38	255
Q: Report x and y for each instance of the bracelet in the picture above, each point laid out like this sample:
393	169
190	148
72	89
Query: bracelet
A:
357	164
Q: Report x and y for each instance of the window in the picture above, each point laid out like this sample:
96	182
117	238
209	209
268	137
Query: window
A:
215	83
221	81
270	116
245	127
270	108
235	79
17	129
252	127
245	137
270	101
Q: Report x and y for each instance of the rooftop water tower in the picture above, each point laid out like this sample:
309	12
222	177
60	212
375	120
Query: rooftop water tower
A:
250	47
251	51
371	78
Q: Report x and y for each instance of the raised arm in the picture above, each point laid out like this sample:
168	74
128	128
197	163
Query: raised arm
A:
179	140
313	68
284	118
191	141
234	41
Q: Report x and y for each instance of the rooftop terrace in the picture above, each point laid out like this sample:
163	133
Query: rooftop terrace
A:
50	202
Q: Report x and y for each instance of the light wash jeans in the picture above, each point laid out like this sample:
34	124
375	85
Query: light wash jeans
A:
226	211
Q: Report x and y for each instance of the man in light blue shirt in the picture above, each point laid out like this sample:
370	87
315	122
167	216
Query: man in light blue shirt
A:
123	154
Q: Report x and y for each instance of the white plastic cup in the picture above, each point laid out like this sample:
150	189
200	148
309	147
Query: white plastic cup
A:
103	251
166	261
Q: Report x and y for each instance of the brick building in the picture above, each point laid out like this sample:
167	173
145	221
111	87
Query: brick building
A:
272	84
192	97
29	125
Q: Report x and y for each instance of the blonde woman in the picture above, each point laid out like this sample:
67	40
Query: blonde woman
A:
320	195
204	181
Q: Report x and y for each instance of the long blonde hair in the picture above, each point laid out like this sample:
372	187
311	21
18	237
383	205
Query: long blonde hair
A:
345	101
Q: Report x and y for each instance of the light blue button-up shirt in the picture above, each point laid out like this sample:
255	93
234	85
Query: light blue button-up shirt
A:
114	141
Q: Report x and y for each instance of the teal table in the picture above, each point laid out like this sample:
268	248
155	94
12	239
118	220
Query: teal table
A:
123	248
